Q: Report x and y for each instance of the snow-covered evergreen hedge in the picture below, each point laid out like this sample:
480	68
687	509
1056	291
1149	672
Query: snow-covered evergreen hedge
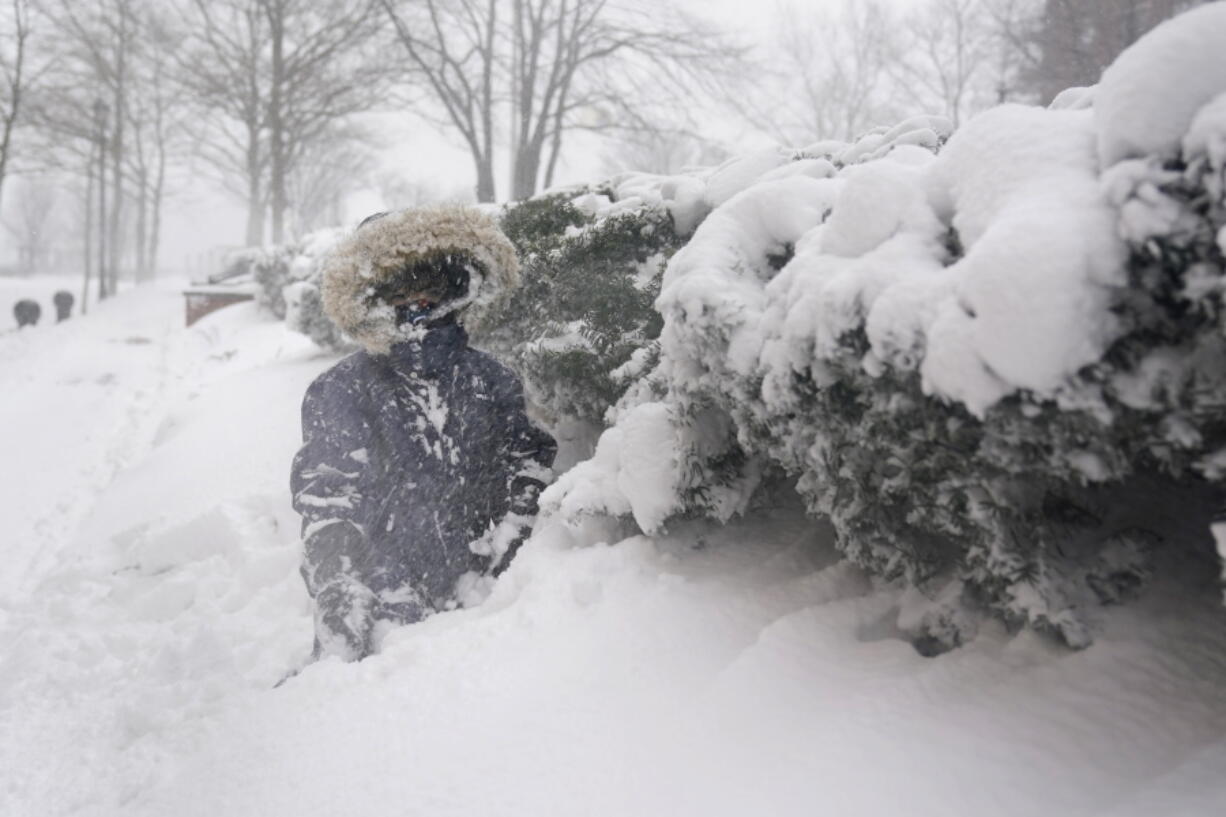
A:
582	319
999	369
270	267
288	280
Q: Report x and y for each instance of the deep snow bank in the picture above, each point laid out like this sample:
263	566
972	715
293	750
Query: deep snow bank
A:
162	551
73	418
714	670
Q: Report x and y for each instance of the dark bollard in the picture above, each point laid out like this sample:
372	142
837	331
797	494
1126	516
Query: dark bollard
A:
27	312
63	301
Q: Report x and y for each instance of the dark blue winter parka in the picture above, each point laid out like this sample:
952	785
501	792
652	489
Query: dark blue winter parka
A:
419	470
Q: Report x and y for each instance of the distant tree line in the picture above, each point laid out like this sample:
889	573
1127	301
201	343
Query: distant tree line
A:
840	70
1072	41
110	108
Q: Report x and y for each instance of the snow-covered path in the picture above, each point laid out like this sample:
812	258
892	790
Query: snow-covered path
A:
79	397
709	672
148	454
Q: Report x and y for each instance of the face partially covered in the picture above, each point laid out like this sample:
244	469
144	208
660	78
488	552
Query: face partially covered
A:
422	292
419	297
414	306
386	246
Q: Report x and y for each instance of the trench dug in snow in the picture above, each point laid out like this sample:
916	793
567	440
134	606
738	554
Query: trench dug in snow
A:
710	671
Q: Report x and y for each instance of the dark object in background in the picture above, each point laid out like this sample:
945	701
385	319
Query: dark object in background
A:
27	312
63	301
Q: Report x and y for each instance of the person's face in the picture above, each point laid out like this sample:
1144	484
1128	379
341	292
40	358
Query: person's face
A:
415	294
414	303
417	297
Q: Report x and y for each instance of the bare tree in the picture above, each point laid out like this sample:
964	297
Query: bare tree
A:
549	46
1016	54
274	76
1067	43
833	74
329	169
110	114
948	46
157	121
88	99
122	30
224	71
660	151
319	74
595	65
556	65
452	46
399	191
14	76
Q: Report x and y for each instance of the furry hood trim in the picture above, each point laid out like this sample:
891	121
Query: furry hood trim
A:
382	247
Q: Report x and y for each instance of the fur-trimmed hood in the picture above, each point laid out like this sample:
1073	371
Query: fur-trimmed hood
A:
381	247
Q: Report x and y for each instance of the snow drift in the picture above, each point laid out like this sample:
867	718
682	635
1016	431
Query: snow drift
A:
153	601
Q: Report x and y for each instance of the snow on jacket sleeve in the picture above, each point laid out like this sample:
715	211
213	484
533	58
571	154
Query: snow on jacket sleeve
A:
532	451
528	453
329	481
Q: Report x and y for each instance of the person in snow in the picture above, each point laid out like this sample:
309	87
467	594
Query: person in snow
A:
419	470
27	313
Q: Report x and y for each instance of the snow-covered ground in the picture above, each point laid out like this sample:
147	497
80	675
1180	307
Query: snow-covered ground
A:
150	602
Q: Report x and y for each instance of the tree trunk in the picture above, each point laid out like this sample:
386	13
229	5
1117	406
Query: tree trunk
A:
485	167
276	121
89	226
555	151
255	194
485	179
559	120
6	140
15	93
114	238
527	169
142	226
155	230
102	223
117	148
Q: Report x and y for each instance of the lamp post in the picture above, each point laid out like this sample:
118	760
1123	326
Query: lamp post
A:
101	115
88	254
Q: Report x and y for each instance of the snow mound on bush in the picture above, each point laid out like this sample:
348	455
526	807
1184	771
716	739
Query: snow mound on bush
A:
690	196
714	286
1148	97
1024	308
633	472
1031	300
